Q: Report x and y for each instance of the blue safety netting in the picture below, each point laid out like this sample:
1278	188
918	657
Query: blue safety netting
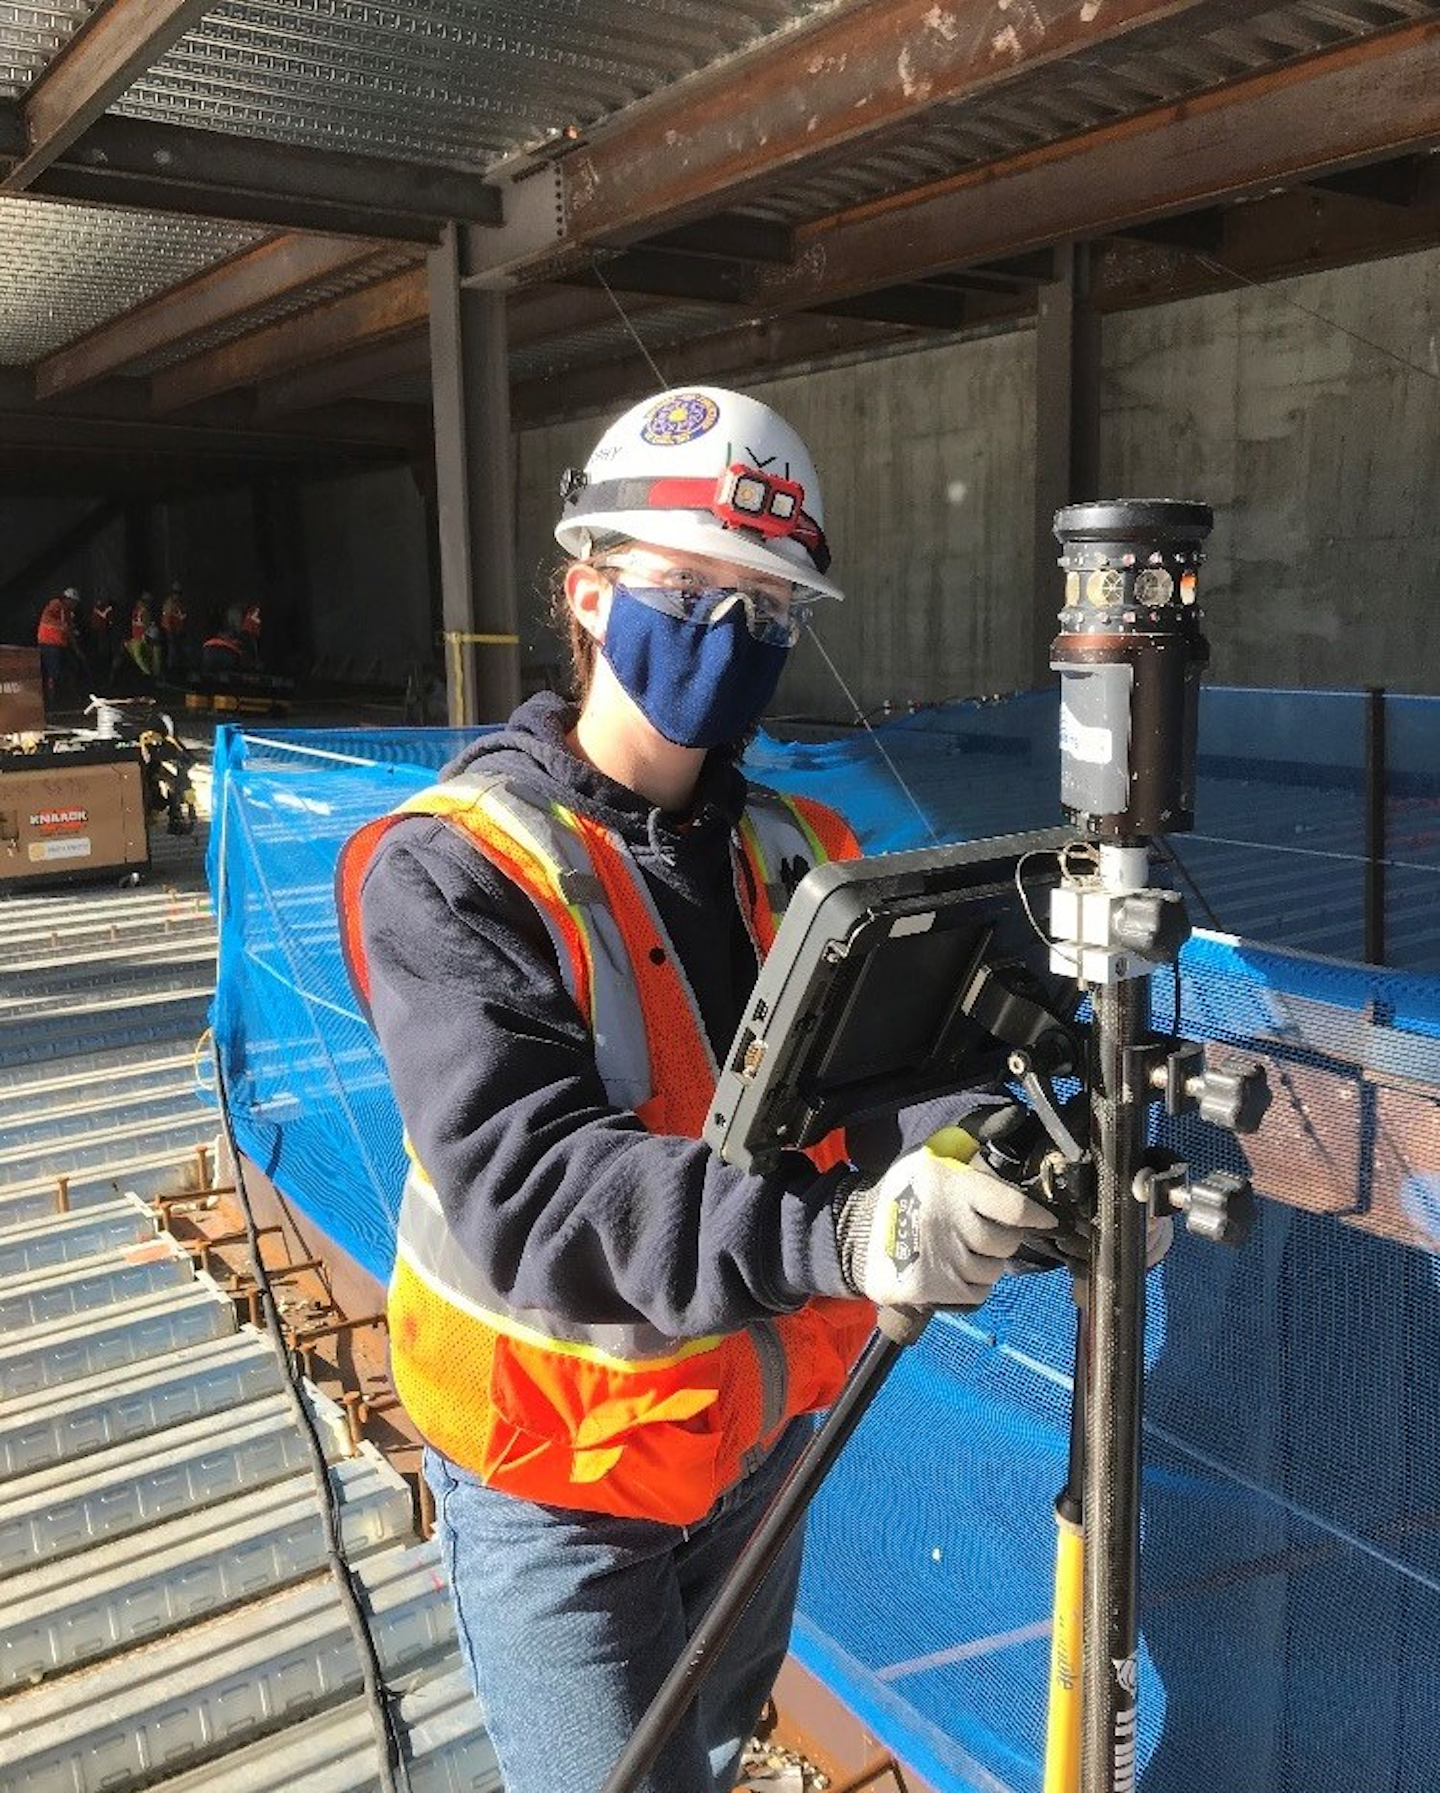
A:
1291	1566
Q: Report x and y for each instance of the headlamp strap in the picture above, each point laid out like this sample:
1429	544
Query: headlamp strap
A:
745	499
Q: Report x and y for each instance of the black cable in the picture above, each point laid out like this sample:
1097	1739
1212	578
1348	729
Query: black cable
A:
394	1776
1167	847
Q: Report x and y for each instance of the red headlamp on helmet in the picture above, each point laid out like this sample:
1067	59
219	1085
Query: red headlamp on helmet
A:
744	497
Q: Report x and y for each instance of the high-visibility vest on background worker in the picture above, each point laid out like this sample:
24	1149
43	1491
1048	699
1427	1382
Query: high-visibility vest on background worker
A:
612	1419
54	626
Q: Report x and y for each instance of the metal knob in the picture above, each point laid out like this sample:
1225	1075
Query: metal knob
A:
1235	1100
1152	924
1220	1207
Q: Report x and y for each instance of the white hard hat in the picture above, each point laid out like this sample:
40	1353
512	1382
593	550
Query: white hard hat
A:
71	595
705	470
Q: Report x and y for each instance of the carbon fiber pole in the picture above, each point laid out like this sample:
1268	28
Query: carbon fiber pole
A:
899	1327
1113	1408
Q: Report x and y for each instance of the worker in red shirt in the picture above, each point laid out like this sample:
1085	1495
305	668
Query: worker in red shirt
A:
142	617
56	638
172	628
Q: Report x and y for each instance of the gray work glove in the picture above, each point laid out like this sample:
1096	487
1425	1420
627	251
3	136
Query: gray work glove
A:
934	1231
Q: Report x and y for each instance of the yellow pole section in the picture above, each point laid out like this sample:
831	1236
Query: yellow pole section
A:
1062	1731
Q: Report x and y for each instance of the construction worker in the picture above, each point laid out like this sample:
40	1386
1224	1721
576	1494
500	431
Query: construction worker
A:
172	629
56	636
102	637
142	615
610	1339
224	652
250	626
146	653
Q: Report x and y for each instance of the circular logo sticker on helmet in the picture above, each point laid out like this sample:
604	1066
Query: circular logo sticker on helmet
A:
679	419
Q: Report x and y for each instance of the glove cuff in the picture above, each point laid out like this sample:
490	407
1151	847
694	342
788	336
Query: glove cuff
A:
854	1209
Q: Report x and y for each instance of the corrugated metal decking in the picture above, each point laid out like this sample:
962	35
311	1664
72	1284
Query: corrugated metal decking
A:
64	270
447	81
166	1603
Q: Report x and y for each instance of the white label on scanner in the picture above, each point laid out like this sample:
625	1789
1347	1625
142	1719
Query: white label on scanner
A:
1095	746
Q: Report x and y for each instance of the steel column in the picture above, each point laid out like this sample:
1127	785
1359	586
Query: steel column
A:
470	379
1067	428
1375	845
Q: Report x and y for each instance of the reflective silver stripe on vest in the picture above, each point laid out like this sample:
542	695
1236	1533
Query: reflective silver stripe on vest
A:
622	1052
780	837
424	1238
428	1246
774	1374
668	947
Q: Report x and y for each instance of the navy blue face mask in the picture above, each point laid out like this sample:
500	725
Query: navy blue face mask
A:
700	684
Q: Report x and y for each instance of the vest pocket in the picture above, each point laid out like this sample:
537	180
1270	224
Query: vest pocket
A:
571	1431
822	1343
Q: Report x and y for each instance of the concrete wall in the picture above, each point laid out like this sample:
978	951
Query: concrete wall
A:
208	542
1320	453
27	526
925	463
541	456
368	574
1308	414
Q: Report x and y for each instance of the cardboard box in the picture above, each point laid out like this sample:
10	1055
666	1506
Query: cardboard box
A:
22	700
68	816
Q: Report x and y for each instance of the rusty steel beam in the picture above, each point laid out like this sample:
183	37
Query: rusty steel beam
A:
795	101
754	348
1396	183
116	45
1375	98
285	264
534	315
309	388
540	313
923	305
216	174
376	427
388	307
1299	231
665	274
729	236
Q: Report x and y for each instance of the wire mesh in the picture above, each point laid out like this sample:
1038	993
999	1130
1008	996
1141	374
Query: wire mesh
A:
1291	1524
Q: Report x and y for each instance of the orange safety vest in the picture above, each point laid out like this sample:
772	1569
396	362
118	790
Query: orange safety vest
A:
54	629
615	1419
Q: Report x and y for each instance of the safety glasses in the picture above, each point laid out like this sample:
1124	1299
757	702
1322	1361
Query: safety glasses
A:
774	621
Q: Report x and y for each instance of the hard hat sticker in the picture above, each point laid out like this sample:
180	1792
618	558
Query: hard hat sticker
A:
679	419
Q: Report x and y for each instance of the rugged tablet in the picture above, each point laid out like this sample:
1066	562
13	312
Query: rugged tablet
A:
887	982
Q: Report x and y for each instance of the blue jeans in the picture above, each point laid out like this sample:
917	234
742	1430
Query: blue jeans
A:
569	1622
